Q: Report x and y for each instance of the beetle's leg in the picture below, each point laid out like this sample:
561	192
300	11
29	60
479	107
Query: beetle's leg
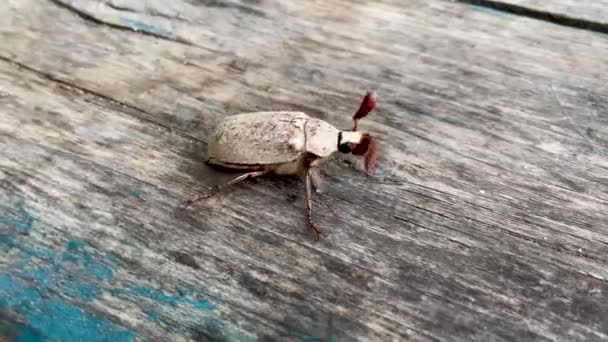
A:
360	166
316	179
215	189
311	224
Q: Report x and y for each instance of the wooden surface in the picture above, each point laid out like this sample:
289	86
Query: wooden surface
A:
595	11
487	219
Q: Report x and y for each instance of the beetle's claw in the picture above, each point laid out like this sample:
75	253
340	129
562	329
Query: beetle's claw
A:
315	230
187	204
360	165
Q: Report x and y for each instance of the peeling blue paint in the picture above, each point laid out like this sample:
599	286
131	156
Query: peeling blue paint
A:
21	223
139	25
41	276
41	253
164	298
77	253
159	296
39	280
214	328
75	245
6	242
37	293
71	279
24	221
27	334
491	11
55	318
152	314
184	292
305	338
77	288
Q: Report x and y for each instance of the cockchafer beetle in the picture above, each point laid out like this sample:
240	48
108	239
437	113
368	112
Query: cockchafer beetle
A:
286	143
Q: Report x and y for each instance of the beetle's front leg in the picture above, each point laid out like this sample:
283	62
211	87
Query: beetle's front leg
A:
316	179
215	189
311	224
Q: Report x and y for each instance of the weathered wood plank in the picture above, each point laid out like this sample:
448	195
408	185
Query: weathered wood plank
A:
400	280
143	243
488	220
592	11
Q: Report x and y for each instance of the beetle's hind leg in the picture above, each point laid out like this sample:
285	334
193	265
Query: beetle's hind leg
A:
311	224
215	189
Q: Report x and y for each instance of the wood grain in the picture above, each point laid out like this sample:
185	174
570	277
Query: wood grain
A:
595	11
488	218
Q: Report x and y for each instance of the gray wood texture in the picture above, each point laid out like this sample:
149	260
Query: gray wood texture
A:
590	10
487	219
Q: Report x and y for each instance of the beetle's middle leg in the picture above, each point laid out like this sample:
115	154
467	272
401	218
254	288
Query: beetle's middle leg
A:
309	181
215	189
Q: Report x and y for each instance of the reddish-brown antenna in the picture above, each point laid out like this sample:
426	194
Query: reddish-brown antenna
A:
368	103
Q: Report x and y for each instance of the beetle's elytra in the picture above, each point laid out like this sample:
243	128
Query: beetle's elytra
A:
286	143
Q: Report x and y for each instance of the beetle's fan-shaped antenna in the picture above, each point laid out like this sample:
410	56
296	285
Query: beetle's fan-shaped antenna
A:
368	103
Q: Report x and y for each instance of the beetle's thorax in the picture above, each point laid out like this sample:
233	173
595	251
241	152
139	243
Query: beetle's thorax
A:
320	137
349	137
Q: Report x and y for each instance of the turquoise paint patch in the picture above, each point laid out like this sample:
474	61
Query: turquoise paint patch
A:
55	318
143	26
79	289
71	275
214	328
12	330
75	245
491	11
21	223
27	334
76	271
24	221
7	242
69	279
305	338
114	260
184	292
159	296
77	253
101	271
41	276
164	298
42	253
152	314
39	279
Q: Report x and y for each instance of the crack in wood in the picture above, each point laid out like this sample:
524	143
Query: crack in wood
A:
132	110
555	18
91	18
152	12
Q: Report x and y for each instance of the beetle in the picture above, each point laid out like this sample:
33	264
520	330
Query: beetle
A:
286	143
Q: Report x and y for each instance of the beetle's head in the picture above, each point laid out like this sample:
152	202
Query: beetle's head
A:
360	143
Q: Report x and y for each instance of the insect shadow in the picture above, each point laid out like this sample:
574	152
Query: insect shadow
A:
204	175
